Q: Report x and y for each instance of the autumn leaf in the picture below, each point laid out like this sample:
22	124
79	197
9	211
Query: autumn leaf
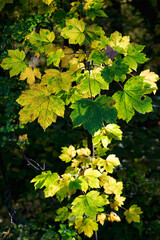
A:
114	217
92	177
55	57
133	214
150	78
133	98
56	80
14	62
30	75
89	204
67	154
101	218
74	31
87	225
38	103
62	214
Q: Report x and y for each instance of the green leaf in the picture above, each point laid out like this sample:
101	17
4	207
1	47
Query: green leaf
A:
133	98
43	40
14	62
62	214
92	177
39	103
92	114
89	204
74	31
45	179
117	71
135	56
56	80
133	214
87	225
97	56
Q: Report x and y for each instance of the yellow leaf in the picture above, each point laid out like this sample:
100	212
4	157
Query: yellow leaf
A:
116	40
84	152
86	225
22	138
151	78
48	2
38	103
30	75
56	80
68	56
74	65
101	218
114	217
118	202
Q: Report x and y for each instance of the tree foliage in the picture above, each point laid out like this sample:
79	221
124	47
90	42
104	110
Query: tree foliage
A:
81	66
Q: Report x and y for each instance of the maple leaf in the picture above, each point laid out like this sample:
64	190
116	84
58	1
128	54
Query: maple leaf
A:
94	32
109	163
72	95
91	114
118	202
111	186
95	82
84	184
135	56
30	75
89	204
87	225
38	103
43	40
119	43
55	57
45	179
62	214
14	62
84	152
74	65
101	218
106	134
133	214
98	57
56	80
68	153
74	31
64	187
113	217
151	78
133	98
92	177
116	71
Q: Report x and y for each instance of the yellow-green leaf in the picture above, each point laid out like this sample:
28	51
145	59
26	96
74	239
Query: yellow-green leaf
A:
43	40
14	62
30	75
55	57
56	80
87	225
74	31
92	177
39	103
133	214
